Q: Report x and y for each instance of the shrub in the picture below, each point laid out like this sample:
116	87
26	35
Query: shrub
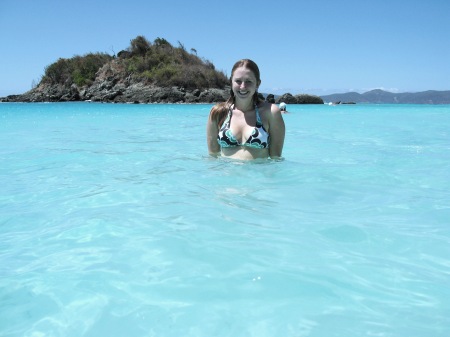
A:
139	46
57	72
85	67
80	70
165	75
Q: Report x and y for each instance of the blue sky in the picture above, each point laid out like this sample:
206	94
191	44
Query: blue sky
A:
316	47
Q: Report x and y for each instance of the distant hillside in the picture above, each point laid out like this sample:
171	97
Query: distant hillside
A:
381	96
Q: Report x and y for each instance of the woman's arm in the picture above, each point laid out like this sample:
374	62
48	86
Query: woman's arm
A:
212	130
277	132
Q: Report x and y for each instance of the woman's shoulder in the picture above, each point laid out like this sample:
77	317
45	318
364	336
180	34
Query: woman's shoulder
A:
269	109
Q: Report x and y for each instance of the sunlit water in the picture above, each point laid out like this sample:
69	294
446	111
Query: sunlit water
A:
114	222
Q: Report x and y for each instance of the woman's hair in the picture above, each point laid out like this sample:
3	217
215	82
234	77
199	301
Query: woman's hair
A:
220	110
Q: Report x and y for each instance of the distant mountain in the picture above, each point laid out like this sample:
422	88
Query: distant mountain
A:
381	96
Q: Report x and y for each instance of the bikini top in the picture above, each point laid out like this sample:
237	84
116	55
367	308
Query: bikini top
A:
258	139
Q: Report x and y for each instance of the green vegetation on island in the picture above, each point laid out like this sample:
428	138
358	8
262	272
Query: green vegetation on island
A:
158	63
79	70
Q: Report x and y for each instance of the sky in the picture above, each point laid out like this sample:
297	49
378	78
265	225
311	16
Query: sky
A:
301	46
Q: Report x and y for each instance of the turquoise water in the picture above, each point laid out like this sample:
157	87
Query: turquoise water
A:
114	222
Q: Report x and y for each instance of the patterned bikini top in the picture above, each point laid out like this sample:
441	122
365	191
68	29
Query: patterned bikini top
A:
258	139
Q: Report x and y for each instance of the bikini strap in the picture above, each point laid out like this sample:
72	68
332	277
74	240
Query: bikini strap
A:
230	112
258	119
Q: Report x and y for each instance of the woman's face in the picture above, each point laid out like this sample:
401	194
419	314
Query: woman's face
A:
244	83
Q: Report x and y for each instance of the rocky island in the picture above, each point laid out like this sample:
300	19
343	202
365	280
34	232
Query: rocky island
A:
143	73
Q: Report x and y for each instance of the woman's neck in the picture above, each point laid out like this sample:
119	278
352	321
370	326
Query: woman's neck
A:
244	106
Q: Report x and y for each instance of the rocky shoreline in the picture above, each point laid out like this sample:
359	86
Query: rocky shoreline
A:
107	92
138	93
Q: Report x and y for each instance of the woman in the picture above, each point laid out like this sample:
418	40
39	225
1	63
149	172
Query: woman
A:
245	127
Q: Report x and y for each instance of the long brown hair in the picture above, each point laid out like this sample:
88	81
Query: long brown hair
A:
220	110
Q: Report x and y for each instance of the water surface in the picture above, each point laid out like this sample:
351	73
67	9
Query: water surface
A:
115	222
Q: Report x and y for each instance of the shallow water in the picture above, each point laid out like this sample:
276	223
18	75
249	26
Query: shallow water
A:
115	222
